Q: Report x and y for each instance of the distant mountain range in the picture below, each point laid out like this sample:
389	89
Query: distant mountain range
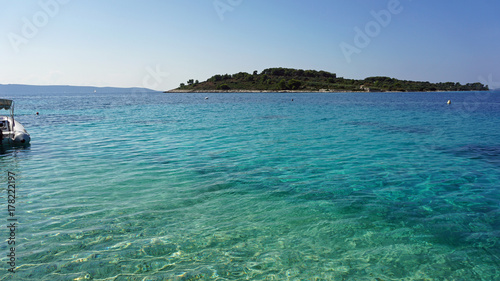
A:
12	89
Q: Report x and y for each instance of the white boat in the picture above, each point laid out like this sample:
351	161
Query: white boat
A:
11	131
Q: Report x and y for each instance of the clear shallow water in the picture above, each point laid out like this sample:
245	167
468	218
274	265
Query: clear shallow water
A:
257	187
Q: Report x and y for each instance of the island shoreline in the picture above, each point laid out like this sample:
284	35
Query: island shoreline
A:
289	80
299	91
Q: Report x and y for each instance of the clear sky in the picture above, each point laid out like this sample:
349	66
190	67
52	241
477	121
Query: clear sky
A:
160	44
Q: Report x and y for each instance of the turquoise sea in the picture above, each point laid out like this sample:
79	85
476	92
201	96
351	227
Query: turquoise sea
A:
255	186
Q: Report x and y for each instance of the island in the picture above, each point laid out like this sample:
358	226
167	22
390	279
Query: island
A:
297	80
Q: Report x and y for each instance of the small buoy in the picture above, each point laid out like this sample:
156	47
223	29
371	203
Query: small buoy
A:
37	113
206	98
292	99
449	102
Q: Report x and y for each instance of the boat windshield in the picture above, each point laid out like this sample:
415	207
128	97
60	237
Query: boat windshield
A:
5	104
8	105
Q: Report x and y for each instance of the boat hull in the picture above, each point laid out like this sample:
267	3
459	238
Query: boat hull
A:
13	135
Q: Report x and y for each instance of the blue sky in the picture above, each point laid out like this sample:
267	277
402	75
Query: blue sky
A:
160	44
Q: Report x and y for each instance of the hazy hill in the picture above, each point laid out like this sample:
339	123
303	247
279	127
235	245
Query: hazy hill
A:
12	89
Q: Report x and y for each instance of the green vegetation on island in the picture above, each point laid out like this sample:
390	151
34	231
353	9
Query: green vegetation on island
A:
287	79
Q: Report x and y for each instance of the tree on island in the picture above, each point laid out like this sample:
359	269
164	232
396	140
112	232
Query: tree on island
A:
223	87
294	84
282	85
